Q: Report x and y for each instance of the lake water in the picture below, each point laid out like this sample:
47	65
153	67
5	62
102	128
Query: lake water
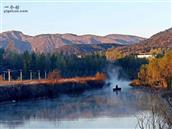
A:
92	109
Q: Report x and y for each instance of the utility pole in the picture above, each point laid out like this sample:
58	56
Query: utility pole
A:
39	75
9	75
30	74
21	75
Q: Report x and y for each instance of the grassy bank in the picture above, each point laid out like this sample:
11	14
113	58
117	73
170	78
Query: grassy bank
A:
49	81
31	89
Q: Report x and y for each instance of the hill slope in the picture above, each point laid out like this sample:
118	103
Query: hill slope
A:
15	40
162	40
80	49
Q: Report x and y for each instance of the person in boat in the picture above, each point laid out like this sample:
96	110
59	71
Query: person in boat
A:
116	88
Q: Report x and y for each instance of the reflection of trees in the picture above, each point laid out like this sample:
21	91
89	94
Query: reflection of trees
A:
96	104
159	116
168	96
169	100
91	105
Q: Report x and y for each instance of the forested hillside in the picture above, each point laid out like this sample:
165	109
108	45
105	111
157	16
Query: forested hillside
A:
158	73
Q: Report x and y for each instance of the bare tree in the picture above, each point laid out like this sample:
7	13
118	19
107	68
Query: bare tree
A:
159	117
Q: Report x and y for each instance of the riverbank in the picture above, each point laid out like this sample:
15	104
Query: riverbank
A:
138	83
30	89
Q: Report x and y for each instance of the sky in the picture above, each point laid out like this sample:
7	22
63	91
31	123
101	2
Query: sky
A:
134	17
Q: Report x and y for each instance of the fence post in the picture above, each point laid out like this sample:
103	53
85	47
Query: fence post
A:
45	74
30	74
9	75
4	76
39	75
21	75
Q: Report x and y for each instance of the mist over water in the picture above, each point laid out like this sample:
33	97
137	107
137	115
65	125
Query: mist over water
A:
116	79
100	108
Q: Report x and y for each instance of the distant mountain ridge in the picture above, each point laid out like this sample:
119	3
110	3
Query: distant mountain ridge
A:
17	41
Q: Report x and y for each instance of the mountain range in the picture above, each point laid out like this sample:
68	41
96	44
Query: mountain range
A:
65	43
78	44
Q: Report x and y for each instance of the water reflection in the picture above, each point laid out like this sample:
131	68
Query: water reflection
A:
99	108
159	116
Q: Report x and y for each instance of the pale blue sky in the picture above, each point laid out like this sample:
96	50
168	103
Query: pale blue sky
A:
101	18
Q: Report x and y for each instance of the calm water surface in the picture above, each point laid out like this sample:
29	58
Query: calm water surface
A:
92	109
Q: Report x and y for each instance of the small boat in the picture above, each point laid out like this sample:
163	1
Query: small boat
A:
116	88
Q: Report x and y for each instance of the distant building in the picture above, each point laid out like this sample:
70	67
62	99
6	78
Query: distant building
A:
79	56
145	56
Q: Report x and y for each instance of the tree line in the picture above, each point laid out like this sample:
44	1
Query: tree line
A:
129	66
68	66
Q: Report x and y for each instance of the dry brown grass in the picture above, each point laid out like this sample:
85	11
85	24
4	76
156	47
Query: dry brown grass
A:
57	81
55	74
100	76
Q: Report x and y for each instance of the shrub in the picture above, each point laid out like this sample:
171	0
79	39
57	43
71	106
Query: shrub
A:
55	74
113	54
135	82
100	76
1	78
